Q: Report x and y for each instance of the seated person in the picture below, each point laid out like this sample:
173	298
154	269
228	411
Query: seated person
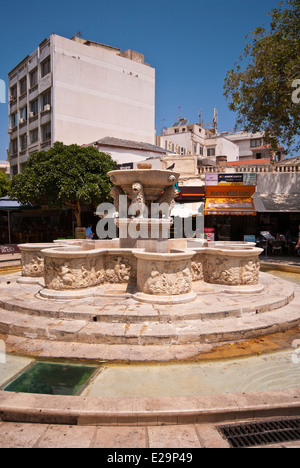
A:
89	233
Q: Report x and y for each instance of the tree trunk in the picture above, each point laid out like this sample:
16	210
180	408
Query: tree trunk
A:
77	213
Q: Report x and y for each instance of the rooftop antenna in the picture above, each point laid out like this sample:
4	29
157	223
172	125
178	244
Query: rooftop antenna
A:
164	127
215	120
200	117
179	108
78	34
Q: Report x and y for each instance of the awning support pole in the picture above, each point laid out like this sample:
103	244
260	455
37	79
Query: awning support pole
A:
9	228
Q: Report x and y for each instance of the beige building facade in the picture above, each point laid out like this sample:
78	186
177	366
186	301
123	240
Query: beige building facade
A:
187	139
78	91
4	167
183	138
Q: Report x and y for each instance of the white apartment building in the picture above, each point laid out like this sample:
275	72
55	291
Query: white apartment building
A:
251	145
184	139
78	91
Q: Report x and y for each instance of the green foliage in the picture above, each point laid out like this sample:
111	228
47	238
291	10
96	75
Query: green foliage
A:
261	93
65	175
4	184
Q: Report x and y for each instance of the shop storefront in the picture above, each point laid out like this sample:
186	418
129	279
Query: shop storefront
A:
279	214
22	224
189	203
229	205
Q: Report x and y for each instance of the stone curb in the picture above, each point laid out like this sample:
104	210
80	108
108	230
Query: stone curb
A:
76	410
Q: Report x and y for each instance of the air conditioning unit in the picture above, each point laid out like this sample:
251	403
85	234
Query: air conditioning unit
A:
31	114
22	121
47	107
11	98
10	130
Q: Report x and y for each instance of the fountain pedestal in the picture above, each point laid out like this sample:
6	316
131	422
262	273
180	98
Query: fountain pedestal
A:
150	234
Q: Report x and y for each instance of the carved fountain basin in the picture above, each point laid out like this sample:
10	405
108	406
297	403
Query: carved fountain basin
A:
152	180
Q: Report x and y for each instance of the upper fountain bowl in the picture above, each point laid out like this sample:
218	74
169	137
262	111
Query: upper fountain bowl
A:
154	181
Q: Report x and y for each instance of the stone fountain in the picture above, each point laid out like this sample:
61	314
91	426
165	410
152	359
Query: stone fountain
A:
141	296
143	261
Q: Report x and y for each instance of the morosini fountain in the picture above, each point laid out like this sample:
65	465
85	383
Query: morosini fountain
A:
140	296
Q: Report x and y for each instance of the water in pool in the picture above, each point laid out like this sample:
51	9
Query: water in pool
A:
286	275
51	379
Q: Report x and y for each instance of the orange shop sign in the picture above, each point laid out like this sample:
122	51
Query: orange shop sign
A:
239	191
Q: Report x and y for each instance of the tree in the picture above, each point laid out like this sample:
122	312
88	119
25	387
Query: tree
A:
4	184
65	175
262	93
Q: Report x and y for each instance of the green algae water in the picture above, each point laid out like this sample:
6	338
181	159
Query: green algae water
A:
51	379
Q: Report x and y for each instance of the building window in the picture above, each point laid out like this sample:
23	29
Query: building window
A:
23	86
45	67
211	152
34	108
14	170
46	100
201	150
13	92
255	143
33	136
23	114
14	119
14	146
46	132
23	142
33	77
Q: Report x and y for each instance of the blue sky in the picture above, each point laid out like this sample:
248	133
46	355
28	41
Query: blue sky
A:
190	44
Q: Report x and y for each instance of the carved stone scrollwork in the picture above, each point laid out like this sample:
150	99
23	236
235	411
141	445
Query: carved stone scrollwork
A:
172	278
32	264
120	269
231	271
197	268
73	274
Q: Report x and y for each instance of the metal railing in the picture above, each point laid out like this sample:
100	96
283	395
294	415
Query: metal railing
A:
267	168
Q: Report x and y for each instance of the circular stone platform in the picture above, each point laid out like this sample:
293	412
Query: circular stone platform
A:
113	326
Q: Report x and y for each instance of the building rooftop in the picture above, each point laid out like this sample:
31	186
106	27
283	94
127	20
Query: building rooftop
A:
295	161
121	143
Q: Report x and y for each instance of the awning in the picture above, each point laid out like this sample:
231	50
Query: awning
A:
277	202
186	210
9	205
190	194
230	206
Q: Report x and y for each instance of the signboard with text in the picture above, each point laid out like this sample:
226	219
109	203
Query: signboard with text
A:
229	179
230	191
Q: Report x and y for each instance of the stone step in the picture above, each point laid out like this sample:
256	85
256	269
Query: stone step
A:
151	333
207	307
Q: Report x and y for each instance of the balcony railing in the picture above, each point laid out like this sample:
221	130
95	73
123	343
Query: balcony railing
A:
267	168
